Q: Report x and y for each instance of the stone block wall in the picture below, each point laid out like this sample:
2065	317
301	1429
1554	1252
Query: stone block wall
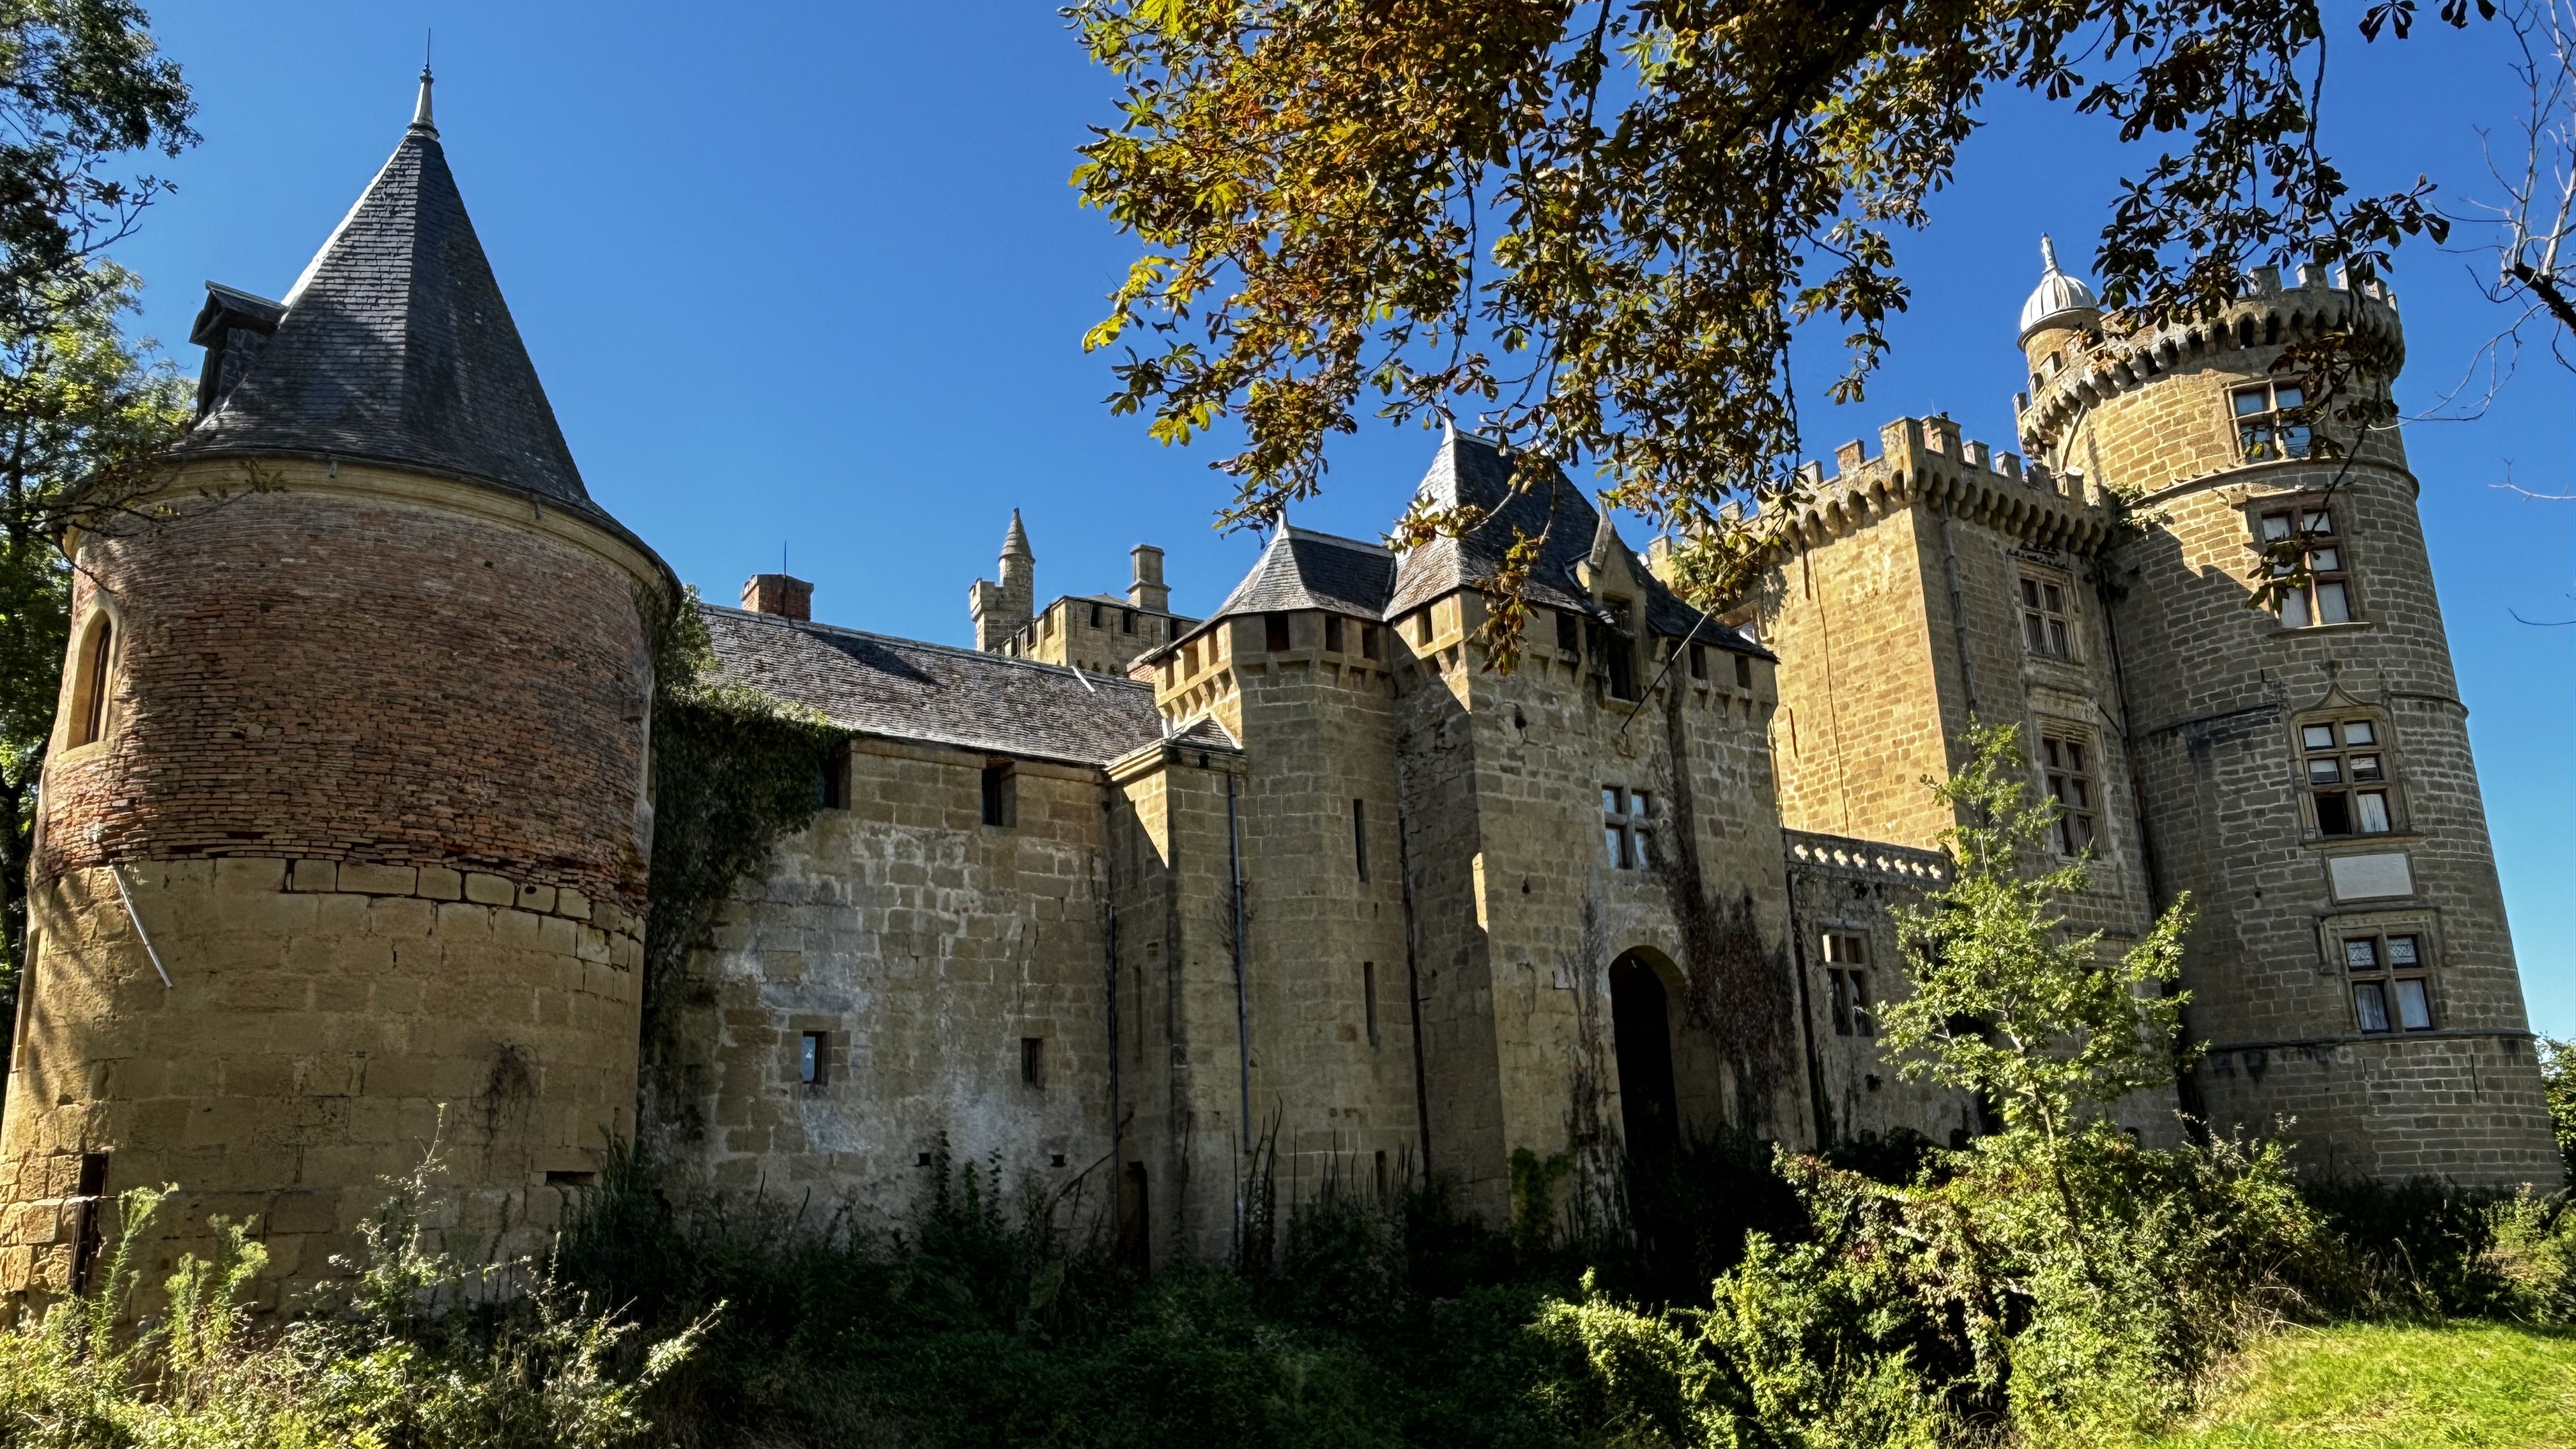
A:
924	949
324	1025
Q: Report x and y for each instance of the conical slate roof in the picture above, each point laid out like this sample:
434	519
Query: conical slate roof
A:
1303	569
395	347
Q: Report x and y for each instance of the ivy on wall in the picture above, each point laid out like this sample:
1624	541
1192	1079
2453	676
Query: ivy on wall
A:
734	772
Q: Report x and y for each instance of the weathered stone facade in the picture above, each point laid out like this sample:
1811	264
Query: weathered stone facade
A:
344	840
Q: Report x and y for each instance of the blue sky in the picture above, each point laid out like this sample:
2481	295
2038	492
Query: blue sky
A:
809	277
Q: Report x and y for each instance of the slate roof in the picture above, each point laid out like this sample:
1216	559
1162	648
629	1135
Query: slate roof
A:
395	347
1471	470
1303	569
905	689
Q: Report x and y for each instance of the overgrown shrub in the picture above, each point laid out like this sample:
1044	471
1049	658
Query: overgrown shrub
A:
401	1355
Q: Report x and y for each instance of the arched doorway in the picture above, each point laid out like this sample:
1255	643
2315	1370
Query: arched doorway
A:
1641	1028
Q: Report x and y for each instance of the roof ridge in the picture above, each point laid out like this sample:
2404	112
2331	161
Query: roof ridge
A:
1317	534
959	651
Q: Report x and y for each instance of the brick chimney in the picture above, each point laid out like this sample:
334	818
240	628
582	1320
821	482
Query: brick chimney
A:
785	595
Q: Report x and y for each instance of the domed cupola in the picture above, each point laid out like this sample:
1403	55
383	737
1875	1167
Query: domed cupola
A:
2059	301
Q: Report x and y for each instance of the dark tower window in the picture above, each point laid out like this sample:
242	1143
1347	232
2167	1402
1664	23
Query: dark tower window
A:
1333	632
1001	805
1569	633
2325	597
1359	838
1368	642
1847	980
1615	656
1368	997
2068	764
831	780
2043	618
1274	632
1126	621
813	1058
2347	771
90	1235
1699	662
1641	1031
1033	1061
2262	433
1743	671
93	681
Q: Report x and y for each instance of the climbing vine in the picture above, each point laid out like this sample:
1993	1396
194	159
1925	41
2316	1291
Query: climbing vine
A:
1734	987
734	772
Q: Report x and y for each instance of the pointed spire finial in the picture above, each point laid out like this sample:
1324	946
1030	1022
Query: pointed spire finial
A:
420	115
2047	253
1016	542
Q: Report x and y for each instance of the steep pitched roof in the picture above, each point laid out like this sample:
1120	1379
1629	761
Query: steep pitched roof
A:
1303	569
906	689
395	347
1472	471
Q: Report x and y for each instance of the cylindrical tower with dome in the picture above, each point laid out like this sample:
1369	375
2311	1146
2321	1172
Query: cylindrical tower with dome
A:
2302	764
344	830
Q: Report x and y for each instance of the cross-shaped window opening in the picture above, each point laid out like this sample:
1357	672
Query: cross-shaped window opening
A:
1628	827
2068	764
2347	776
2262	434
2389	990
2043	618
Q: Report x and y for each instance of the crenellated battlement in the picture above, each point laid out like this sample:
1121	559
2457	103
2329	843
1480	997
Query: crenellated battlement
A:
2094	366
1926	462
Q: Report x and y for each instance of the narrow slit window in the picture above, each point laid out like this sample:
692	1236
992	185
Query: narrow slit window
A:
813	1058
1743	671
1095	616
1368	997
1001	806
831	774
1033	1061
93	682
1359	838
1699	662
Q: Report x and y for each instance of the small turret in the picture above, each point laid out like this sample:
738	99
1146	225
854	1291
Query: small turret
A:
1148	591
2058	309
1003	610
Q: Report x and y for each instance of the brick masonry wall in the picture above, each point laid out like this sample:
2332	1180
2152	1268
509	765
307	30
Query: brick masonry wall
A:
392	676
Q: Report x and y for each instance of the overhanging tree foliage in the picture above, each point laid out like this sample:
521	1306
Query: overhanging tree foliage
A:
1596	222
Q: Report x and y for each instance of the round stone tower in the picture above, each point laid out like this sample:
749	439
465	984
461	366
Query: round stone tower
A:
344	830
2302	765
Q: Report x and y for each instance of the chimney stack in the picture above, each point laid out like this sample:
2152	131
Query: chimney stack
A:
784	595
1147	592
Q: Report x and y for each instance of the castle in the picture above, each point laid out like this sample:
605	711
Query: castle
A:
345	828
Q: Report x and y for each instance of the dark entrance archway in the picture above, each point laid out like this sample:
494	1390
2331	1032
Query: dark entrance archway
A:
1641	1028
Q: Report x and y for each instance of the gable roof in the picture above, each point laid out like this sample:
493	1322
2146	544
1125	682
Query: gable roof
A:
1303	569
395	347
906	689
1470	471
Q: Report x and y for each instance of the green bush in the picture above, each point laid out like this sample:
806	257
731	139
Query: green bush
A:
401	1358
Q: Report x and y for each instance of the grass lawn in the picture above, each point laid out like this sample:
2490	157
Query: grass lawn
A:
2488	1385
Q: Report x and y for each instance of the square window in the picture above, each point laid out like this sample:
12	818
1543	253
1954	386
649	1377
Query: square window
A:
2401	951
2334	813
2328	771
2251	401
2414	1009
2370	1002
1614	801
2318	737
2365	767
2360	732
2276	526
2361	955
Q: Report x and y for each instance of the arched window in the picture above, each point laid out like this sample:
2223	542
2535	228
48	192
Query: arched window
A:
92	678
